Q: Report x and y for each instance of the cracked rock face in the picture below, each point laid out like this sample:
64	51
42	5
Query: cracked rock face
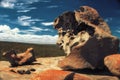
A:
85	38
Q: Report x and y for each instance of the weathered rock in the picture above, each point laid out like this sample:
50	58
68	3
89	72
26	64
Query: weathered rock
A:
67	75
112	62
26	57
86	39
88	14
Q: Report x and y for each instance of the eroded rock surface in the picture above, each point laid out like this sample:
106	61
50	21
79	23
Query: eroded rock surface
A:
85	38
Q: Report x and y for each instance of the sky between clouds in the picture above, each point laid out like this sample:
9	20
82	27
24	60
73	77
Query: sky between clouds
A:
30	21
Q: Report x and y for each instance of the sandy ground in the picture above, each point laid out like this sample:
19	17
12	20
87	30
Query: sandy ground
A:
40	65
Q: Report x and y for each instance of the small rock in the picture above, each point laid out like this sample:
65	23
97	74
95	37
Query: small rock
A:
27	72
21	71
13	70
112	62
32	69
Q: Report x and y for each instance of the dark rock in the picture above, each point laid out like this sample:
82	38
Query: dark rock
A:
13	70
32	69
27	72
21	71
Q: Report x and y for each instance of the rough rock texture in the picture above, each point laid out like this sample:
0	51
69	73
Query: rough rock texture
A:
41	64
26	57
47	67
67	75
86	39
112	62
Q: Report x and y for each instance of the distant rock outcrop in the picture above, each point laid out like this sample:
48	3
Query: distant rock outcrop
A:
86	39
26	57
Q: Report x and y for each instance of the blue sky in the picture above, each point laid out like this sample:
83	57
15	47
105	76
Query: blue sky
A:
30	21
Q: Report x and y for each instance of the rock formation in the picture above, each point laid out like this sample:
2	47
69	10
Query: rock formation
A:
85	38
26	57
112	62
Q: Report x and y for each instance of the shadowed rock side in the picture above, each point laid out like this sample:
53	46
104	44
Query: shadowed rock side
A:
85	38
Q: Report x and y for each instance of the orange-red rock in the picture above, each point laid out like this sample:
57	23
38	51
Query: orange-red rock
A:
67	75
60	75
112	62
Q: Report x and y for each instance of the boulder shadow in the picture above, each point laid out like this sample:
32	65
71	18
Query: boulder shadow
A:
93	72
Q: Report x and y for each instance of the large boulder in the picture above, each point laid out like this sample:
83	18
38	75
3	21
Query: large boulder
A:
112	62
85	38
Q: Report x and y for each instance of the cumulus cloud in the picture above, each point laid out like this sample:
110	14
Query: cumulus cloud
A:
19	5
8	3
27	20
6	29
47	23
13	35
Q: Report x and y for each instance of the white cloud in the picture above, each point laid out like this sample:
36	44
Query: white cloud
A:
53	6
118	31
13	35
45	1
8	3
8	30
39	29
31	1
47	23
24	9
108	19
19	5
27	20
34	29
